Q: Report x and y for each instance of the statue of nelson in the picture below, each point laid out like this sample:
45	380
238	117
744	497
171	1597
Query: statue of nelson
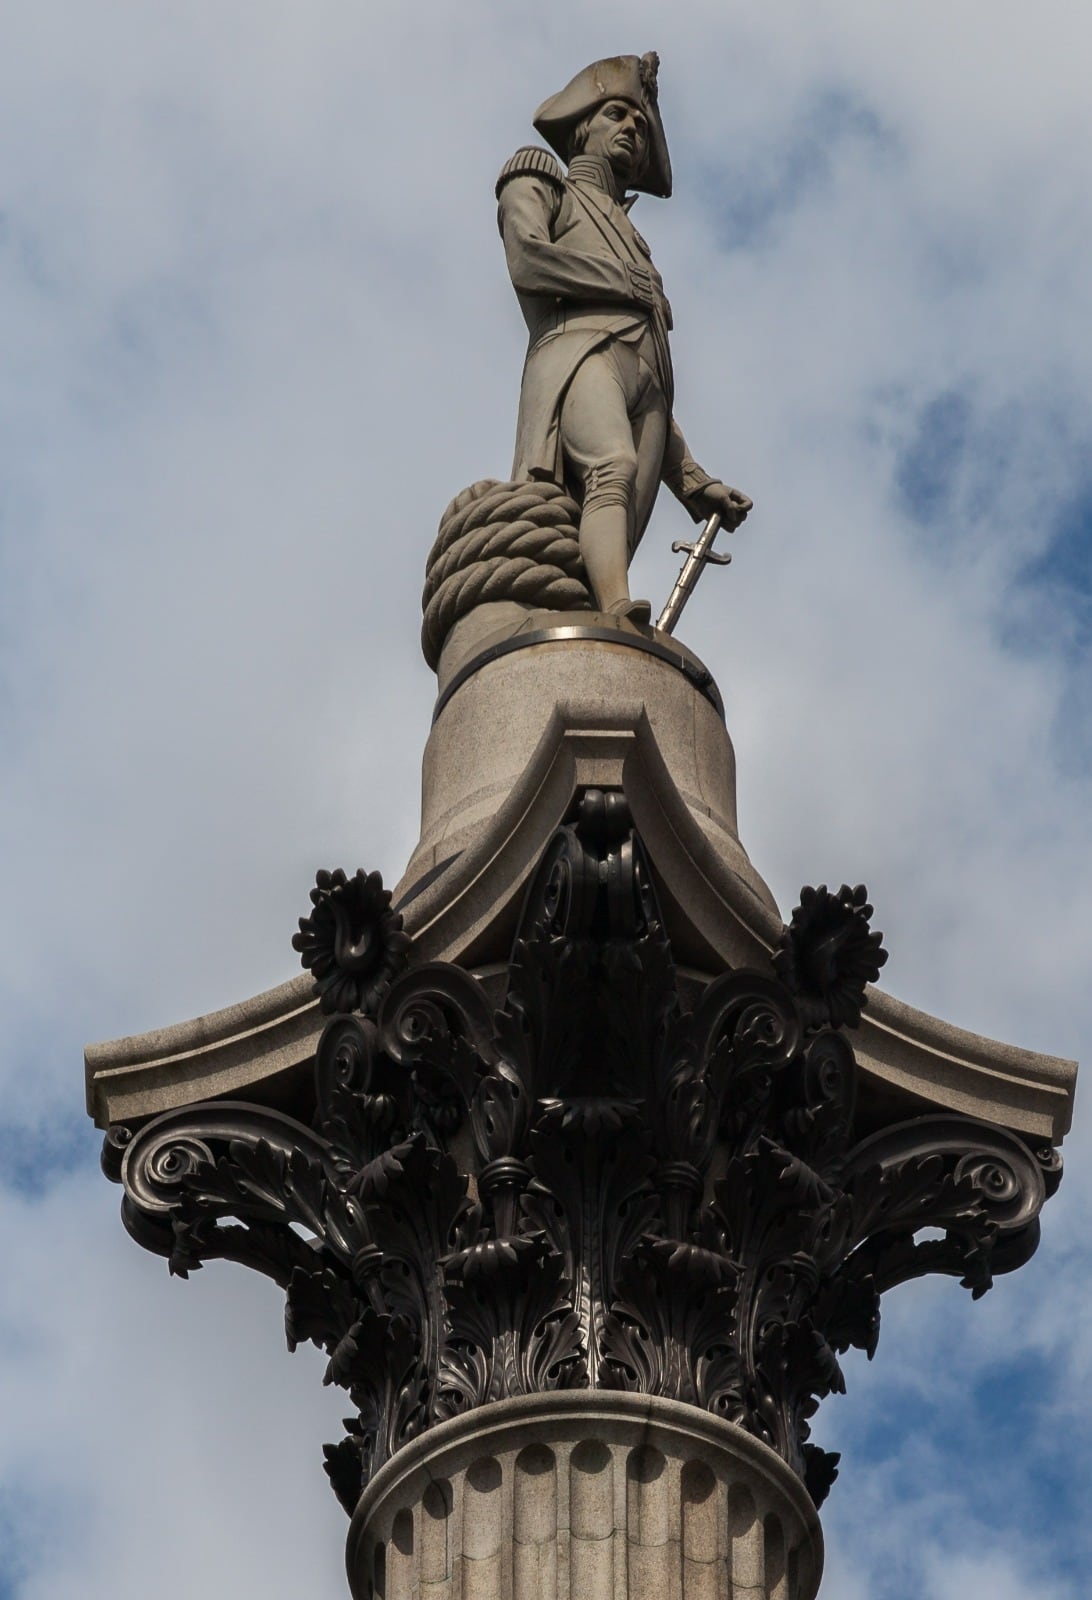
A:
595	409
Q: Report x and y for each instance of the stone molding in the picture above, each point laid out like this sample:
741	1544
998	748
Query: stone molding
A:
585	1496
597	627
605	1178
717	912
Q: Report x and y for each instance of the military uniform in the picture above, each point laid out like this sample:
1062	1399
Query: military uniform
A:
594	305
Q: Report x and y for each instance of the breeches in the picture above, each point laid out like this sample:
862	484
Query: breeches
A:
614	431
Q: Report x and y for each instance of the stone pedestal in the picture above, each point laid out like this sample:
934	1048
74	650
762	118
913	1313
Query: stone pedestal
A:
531	719
585	1496
527	720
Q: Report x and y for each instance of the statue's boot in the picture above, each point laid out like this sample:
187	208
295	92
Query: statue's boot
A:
639	611
604	545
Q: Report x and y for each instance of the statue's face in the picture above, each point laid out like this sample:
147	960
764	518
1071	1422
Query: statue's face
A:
618	131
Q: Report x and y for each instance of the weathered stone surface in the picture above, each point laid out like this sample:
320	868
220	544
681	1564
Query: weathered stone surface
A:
585	1497
264	1048
501	545
258	1046
608	1176
583	1189
577	712
523	732
596	411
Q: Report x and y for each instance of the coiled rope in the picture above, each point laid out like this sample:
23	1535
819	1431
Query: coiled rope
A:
502	541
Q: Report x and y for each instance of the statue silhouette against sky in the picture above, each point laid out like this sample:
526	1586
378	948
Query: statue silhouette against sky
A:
596	405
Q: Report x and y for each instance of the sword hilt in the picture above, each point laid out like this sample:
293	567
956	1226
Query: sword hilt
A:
717	558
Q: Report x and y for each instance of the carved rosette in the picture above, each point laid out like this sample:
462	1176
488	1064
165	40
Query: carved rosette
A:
352	943
594	1186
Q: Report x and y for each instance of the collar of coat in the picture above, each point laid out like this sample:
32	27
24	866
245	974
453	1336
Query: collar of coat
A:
597	173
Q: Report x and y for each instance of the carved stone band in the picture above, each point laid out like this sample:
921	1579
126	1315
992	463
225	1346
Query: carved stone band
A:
662	646
585	1497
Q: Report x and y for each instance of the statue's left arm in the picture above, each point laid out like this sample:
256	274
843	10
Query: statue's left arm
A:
701	494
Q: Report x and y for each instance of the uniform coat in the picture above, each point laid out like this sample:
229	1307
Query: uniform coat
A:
584	279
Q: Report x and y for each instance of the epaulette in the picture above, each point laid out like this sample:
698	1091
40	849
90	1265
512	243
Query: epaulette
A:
531	162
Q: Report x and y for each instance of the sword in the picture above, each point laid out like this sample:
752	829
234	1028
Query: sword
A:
698	555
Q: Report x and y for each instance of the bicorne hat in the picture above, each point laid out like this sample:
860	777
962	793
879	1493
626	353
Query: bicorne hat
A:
631	78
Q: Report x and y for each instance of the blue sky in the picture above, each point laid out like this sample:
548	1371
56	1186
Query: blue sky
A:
256	332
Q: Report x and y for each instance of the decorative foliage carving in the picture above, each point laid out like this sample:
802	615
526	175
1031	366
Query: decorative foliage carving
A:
352	943
827	955
591	1185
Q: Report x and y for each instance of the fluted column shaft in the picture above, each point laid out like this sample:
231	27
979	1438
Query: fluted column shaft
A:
585	1496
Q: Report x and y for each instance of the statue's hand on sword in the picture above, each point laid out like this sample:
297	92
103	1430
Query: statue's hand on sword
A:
719	500
721	507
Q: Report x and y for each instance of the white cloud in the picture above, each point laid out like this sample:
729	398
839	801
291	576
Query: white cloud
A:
257	331
156	1434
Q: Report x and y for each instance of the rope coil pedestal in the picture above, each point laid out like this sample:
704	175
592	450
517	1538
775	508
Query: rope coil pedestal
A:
502	541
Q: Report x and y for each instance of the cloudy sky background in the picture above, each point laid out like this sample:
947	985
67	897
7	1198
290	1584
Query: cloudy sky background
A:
255	331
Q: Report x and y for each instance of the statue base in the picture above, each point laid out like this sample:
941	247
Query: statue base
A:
586	1495
528	718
